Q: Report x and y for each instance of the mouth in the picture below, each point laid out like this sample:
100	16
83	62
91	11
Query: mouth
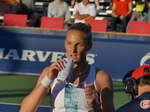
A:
73	57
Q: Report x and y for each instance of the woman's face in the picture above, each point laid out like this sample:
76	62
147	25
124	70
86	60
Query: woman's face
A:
76	46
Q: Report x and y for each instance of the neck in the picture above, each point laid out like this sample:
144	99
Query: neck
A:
80	69
143	89
85	3
58	1
80	73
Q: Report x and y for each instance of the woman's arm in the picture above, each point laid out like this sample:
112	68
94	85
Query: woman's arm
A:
130	8
114	14
105	88
33	100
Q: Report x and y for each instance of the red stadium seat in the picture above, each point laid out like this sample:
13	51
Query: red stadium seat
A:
139	27
52	22
97	25
15	20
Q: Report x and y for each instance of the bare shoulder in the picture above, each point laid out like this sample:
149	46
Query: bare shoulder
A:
102	75
103	79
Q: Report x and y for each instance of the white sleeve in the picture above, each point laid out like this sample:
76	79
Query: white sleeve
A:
75	9
49	10
93	10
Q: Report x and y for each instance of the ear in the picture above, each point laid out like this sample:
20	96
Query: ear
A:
90	46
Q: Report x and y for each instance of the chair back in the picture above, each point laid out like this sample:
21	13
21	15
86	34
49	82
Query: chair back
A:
19	20
98	25
52	22
139	27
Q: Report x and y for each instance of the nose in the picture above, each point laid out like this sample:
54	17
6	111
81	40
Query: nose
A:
74	49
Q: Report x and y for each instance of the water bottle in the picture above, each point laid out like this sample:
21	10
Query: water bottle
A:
64	75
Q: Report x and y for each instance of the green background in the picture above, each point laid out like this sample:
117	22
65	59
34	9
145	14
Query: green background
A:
13	88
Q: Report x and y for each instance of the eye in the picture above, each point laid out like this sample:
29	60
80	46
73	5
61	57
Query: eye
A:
68	43
80	44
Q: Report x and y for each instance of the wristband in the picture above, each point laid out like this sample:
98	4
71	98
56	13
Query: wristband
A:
46	81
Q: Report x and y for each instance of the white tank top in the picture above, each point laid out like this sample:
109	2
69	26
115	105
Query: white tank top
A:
71	97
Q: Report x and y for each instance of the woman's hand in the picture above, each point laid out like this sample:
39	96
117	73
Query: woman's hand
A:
55	67
90	92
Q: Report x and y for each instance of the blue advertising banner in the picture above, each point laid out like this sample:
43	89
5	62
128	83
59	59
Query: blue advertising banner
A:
29	51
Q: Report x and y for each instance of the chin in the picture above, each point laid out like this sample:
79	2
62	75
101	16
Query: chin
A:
75	60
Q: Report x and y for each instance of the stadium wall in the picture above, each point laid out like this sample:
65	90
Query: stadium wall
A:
27	51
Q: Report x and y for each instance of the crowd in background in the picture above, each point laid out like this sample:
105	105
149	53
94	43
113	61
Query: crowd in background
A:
122	11
78	39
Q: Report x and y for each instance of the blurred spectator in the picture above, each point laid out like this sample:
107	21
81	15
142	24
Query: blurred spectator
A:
147	18
84	10
59	8
73	2
9	6
140	13
27	7
121	13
